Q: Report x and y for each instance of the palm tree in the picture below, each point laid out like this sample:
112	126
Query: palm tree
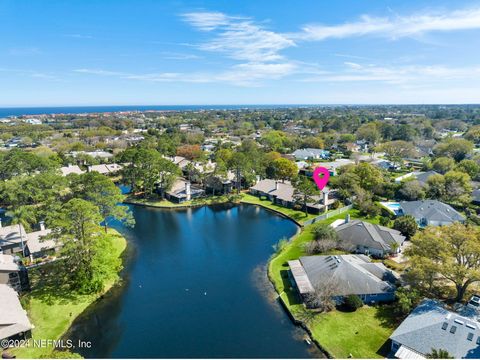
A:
22	216
439	354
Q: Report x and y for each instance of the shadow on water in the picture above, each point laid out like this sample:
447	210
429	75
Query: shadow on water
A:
193	288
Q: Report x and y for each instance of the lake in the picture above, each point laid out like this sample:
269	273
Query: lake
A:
195	286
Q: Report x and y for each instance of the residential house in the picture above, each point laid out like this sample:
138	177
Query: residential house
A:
13	273
281	193
71	169
95	154
420	176
349	275
14	323
332	167
385	164
431	326
370	239
476	196
38	243
310	154
13	239
105	169
182	190
430	212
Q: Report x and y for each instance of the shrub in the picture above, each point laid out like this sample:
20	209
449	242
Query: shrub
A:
406	225
324	232
353	302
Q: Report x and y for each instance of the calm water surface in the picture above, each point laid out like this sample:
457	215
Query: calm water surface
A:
195	287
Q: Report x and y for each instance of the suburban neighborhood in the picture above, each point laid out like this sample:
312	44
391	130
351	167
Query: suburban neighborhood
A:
239	179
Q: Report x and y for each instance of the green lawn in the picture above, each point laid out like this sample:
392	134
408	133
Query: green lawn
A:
361	333
52	307
296	215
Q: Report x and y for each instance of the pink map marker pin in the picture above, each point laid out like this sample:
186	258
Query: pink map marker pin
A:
321	181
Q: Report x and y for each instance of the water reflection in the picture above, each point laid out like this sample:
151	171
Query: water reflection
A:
190	291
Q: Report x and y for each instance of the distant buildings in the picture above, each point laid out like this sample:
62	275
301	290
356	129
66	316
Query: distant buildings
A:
348	274
431	326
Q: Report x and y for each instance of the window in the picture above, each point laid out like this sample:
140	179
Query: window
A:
470	336
444	326
453	329
478	340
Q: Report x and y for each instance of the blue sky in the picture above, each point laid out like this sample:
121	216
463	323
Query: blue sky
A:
119	52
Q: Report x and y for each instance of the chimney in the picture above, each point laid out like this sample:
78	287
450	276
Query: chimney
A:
0	222
276	185
325	199
42	225
347	218
188	191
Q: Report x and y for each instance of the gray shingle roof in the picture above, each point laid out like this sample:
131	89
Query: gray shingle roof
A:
13	319
432	210
351	274
11	234
423	176
424	329
362	233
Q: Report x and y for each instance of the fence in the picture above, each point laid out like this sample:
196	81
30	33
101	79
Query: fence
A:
328	215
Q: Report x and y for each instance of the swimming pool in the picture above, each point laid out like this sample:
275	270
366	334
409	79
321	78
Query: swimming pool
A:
393	207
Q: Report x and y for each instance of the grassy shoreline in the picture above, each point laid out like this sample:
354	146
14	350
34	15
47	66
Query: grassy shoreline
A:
53	310
359	334
244	198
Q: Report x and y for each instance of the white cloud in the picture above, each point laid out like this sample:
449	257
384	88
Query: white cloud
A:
248	74
394	27
407	75
239	38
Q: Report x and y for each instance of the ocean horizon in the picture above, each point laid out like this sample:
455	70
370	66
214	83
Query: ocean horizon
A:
41	110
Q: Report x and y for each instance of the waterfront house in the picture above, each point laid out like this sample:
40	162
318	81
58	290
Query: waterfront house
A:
14	323
13	273
182	190
369	239
12	238
349	274
281	193
35	245
431	326
430	212
39	244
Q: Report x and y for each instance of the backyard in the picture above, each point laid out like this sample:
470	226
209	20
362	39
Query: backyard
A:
362	333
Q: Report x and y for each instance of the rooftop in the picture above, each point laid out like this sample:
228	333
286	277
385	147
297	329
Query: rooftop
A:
351	274
430	325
